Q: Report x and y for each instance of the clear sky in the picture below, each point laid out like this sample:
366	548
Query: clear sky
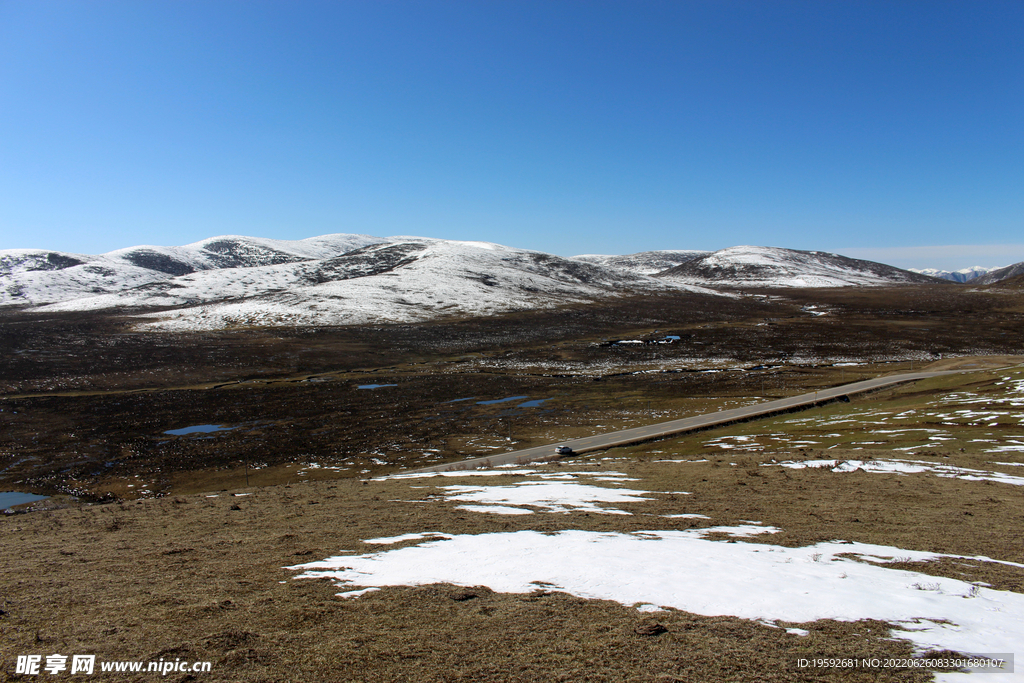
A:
586	126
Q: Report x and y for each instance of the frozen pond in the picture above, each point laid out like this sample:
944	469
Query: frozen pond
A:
205	429
9	498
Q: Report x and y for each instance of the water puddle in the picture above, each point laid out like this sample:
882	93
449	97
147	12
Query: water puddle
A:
204	429
459	400
501	400
11	498
537	402
375	386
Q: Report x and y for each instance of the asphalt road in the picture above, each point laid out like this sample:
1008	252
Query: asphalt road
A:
625	437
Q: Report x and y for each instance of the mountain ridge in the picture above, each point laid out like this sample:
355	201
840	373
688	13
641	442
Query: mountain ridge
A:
962	275
340	279
750	266
389	281
999	274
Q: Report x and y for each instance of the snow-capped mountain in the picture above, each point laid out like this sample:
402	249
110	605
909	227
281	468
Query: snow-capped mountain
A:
38	277
962	275
1000	274
398	280
356	279
776	267
644	262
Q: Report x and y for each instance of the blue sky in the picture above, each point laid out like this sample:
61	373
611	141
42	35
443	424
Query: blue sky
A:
892	128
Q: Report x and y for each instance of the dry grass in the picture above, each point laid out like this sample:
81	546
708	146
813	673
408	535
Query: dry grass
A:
202	578
192	577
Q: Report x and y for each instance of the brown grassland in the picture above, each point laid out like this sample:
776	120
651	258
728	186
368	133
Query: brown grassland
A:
144	551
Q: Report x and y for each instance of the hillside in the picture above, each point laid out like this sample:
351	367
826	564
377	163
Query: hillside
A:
36	277
644	262
402	280
1012	282
749	266
1000	274
234	281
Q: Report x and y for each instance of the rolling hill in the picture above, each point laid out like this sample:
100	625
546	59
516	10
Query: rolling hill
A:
235	281
748	266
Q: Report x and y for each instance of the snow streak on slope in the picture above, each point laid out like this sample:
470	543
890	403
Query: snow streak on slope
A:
37	277
403	281
1000	274
644	262
776	267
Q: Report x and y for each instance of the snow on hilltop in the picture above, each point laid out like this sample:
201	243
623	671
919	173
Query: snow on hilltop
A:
37	277
644	262
342	279
962	275
999	274
776	267
397	280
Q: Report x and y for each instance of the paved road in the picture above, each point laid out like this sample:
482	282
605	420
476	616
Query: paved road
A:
625	437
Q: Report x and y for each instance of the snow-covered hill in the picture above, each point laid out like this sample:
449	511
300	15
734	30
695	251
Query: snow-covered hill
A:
962	275
356	279
1000	274
776	267
37	277
644	262
400	280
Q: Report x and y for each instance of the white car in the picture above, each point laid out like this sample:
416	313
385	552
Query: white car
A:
563	450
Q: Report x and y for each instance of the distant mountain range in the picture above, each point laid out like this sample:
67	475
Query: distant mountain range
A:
962	275
234	281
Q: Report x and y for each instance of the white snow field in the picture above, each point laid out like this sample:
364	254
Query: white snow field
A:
684	570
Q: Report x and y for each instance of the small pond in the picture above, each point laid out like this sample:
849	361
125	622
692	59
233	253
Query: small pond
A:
205	429
500	400
9	498
375	386
534	403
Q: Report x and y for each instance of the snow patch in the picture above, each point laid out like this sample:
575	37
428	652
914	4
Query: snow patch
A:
547	495
904	467
746	580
